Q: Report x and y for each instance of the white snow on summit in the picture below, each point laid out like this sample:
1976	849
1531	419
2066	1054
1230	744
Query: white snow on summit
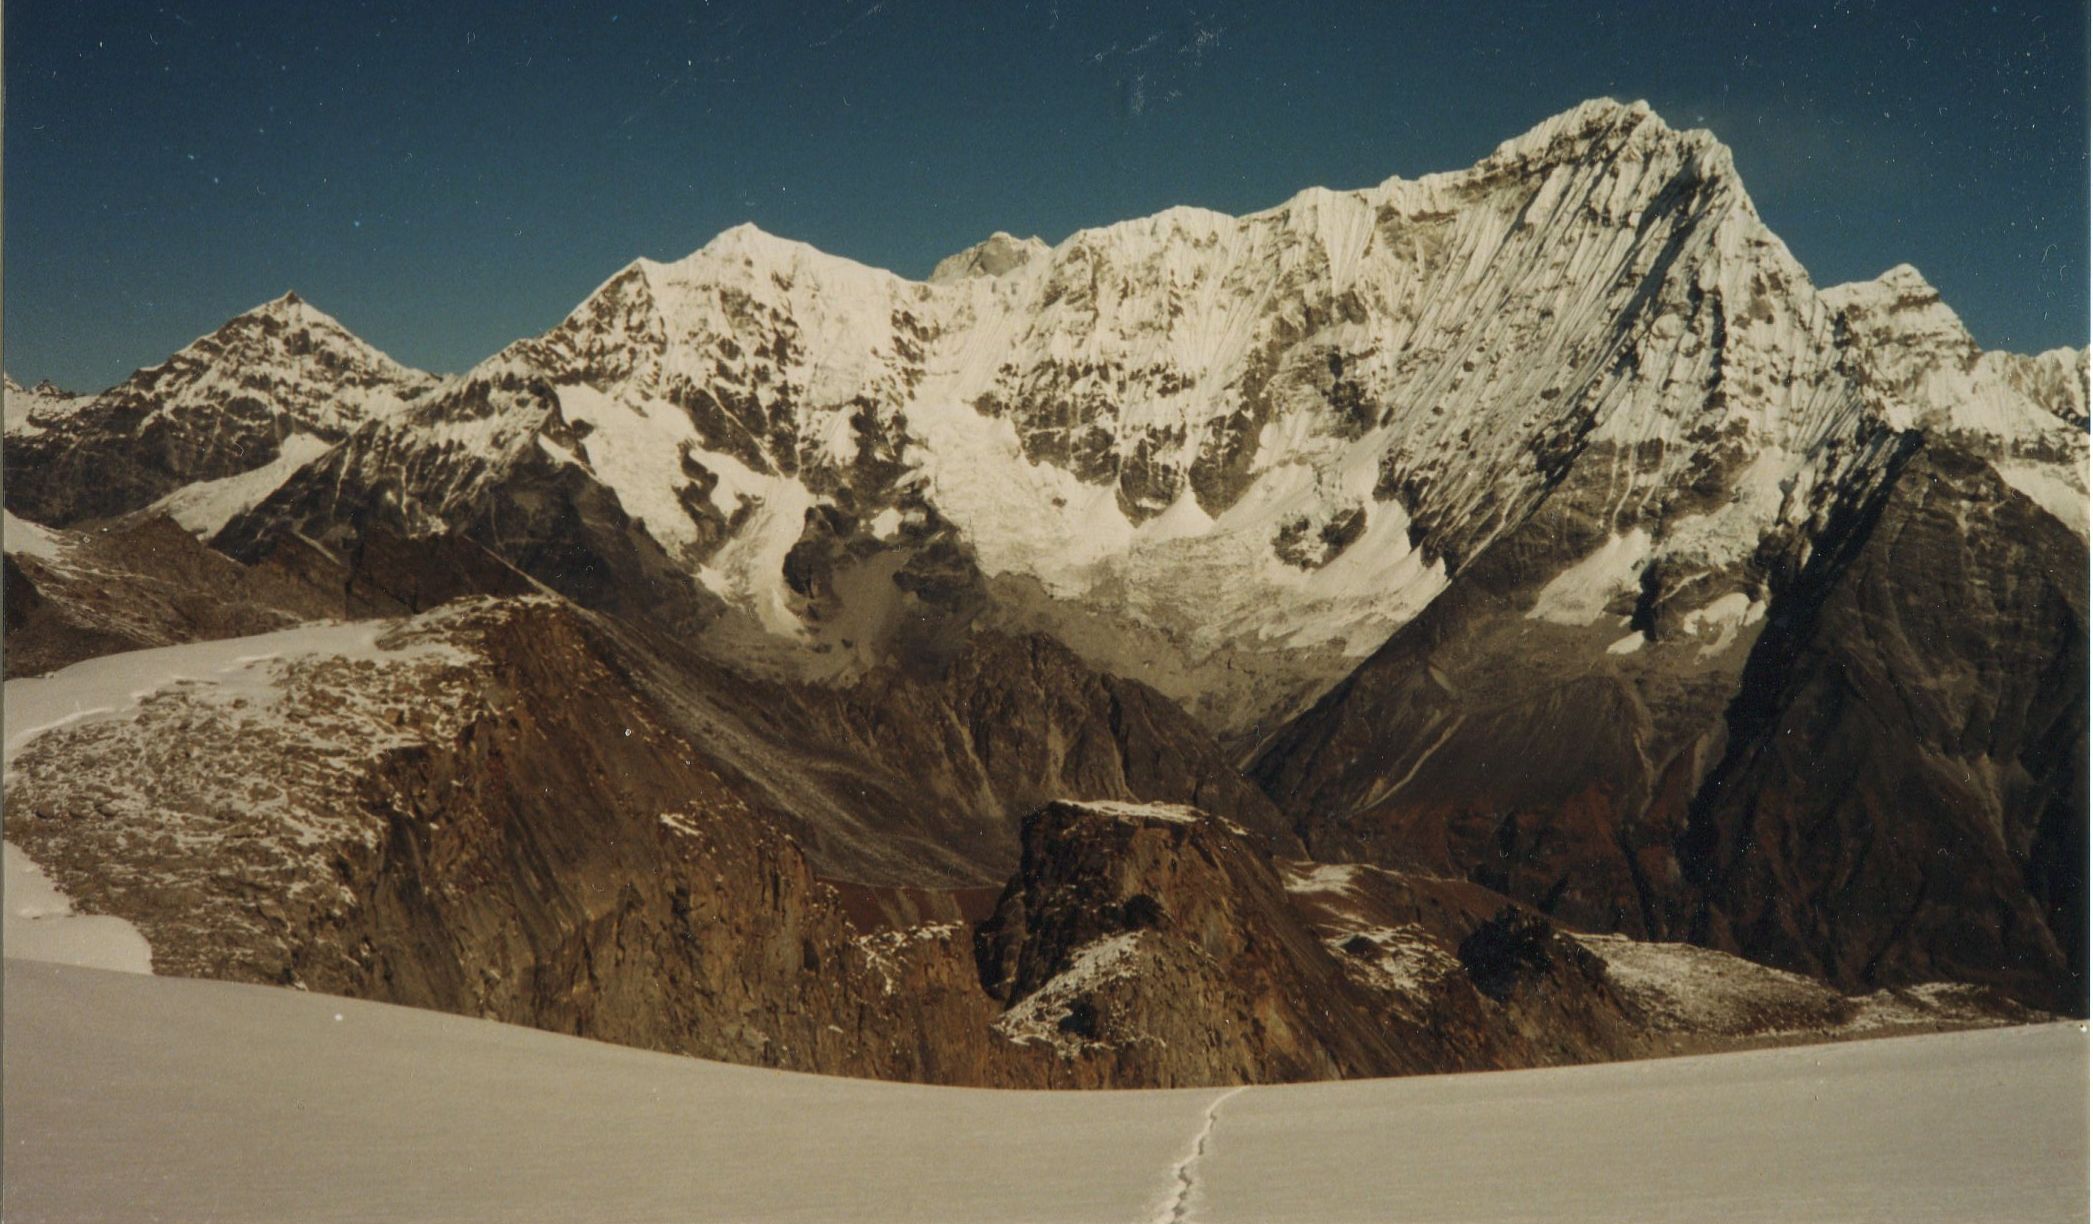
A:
2025	415
33	409
1257	446
1467	302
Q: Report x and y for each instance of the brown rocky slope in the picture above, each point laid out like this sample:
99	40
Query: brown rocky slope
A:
478	810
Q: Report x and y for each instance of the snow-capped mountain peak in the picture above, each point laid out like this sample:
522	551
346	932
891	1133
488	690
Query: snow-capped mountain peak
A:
283	378
995	255
289	336
1901	307
1274	437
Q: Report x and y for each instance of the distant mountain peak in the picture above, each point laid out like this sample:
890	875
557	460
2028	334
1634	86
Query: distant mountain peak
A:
1604	129
751	240
277	380
995	255
1902	299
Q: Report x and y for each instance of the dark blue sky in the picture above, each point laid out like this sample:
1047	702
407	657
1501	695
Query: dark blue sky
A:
447	177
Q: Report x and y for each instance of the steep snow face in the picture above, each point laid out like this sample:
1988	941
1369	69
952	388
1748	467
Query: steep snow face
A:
207	505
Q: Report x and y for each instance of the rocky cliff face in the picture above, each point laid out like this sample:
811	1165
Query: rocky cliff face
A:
920	779
1902	795
1153	944
1134	936
471	811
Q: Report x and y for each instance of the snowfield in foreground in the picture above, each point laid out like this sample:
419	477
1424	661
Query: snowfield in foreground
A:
131	1098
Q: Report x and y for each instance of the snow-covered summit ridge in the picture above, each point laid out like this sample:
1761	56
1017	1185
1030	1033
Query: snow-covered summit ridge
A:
1280	431
1187	359
1280	434
1598	121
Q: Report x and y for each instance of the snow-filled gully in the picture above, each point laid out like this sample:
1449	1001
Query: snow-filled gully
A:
1178	1209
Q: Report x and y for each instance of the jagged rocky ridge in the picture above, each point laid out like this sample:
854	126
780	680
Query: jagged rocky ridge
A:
1570	507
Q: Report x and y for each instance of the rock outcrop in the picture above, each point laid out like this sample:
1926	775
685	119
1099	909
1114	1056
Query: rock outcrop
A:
1151	944
1902	794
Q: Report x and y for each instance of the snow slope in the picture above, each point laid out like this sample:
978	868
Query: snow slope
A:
207	505
230	670
40	924
31	539
155	1098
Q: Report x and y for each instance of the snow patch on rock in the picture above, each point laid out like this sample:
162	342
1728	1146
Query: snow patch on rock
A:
206	506
31	539
2049	487
1340	878
41	924
1039	1015
1173	813
1579	595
